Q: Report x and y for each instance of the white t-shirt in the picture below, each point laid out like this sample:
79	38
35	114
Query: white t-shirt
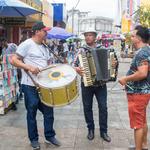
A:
66	49
33	54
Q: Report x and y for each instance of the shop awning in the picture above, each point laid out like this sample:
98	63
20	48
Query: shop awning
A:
16	8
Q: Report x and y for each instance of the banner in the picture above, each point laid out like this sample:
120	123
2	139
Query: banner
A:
125	24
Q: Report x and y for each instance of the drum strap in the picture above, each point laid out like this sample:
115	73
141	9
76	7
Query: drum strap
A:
34	82
53	53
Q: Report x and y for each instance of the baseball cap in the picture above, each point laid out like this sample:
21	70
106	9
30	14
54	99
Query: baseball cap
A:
40	25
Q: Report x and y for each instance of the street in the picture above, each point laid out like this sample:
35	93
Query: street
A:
70	124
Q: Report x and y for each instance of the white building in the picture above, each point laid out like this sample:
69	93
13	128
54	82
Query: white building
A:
74	18
100	24
78	22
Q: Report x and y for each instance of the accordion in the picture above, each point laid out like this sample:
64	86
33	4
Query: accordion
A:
97	65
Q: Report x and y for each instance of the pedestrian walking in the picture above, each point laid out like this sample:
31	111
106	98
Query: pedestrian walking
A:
126	51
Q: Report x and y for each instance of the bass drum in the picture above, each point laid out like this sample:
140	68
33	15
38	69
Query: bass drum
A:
58	85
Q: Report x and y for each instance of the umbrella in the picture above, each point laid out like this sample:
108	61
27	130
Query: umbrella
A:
15	8
58	33
74	38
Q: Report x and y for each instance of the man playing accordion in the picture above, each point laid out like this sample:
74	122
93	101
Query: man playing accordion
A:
98	88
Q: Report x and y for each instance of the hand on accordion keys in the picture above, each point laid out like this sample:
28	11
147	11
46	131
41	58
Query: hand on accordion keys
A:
79	70
114	63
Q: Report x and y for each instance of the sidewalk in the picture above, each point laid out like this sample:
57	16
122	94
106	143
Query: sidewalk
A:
125	60
70	125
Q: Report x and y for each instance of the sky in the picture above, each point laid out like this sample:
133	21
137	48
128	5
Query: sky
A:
105	8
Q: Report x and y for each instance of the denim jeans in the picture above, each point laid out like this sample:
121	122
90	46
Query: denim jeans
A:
32	104
87	97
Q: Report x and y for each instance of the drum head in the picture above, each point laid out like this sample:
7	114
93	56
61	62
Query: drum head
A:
58	75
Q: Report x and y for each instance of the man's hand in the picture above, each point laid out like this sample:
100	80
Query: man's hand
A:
79	70
114	63
123	80
33	70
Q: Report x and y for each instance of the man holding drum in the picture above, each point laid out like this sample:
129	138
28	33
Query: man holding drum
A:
31	56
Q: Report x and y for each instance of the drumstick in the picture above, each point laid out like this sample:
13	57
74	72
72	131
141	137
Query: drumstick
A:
47	68
125	85
129	87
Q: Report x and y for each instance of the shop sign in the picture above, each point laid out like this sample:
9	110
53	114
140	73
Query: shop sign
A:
12	21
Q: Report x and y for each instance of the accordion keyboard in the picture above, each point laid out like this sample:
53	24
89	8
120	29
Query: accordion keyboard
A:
87	78
112	70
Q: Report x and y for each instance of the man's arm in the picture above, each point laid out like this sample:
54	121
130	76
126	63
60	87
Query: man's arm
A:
78	69
17	61
140	74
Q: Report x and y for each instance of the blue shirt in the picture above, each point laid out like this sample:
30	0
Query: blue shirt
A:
142	86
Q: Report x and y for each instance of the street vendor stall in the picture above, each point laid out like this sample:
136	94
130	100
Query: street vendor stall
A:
8	80
115	41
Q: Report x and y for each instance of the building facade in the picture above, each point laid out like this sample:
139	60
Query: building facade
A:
25	31
78	22
47	17
59	14
13	27
100	24
125	12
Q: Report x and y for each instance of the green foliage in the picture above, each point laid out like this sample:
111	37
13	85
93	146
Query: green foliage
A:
142	15
128	38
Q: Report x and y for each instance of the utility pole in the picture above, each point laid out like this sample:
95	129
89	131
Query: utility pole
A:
72	20
73	8
78	22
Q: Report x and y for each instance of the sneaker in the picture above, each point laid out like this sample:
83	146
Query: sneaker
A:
53	141
35	145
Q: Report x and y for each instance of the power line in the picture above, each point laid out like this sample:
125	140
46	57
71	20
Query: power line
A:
73	15
77	4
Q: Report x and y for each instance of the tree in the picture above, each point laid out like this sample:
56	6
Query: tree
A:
142	15
128	38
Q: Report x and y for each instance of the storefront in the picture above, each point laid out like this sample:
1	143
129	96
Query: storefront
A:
47	17
2	30
25	31
10	28
30	20
13	27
